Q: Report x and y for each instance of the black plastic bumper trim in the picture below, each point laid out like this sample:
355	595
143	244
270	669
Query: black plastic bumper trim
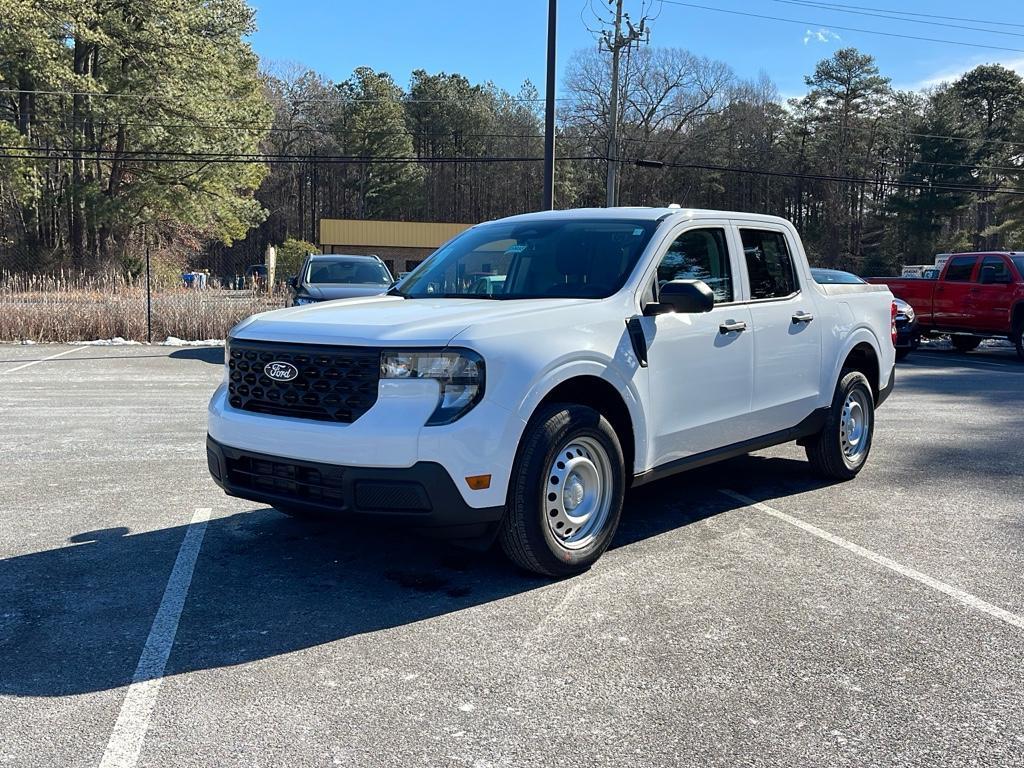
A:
438	503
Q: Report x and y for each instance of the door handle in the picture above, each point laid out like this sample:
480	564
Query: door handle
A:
802	317
732	327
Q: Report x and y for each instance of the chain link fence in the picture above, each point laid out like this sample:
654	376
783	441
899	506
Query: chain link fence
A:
68	306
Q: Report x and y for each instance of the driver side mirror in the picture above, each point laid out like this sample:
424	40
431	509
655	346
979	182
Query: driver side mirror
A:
684	296
293	281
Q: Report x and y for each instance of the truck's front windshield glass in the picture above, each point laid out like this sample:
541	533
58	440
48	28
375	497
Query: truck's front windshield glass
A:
559	258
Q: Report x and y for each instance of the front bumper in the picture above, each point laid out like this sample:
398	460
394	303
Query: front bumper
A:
423	495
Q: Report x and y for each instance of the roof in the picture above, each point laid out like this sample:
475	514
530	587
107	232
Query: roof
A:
642	214
353	256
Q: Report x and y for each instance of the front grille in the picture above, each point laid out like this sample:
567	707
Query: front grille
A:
284	478
331	383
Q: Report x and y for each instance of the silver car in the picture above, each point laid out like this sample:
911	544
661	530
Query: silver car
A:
339	276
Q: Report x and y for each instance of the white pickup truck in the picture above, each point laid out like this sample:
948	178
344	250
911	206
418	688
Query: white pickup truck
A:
609	348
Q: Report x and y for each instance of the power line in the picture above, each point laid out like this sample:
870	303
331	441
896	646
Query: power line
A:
156	156
845	29
339	100
944	187
888	15
924	15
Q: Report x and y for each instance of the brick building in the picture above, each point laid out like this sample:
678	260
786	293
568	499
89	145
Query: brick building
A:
400	244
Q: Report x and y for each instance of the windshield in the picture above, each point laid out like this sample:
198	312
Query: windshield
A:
834	277
350	271
559	258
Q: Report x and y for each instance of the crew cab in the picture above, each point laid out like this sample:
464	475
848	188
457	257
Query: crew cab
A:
619	346
976	296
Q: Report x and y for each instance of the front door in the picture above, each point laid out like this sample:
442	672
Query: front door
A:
699	364
787	335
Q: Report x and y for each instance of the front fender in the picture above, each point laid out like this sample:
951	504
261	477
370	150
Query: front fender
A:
588	364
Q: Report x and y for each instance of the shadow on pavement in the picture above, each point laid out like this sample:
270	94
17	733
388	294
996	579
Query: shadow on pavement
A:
213	355
74	620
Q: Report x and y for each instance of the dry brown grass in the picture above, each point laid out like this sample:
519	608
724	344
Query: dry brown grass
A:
82	308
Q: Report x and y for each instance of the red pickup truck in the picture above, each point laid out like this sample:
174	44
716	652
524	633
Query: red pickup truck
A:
976	296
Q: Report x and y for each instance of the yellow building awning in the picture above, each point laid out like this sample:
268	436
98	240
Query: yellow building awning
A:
387	234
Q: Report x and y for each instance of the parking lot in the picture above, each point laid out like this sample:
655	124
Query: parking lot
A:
747	615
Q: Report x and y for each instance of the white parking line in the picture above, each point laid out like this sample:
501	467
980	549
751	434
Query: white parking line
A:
125	743
43	360
940	586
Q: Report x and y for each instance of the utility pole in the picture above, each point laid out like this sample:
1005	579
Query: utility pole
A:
616	42
549	113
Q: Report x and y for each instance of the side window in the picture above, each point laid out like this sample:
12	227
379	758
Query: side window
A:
699	254
769	264
994	270
960	269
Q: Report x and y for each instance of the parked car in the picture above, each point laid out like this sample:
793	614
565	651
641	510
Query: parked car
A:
976	296
604	362
907	336
336	276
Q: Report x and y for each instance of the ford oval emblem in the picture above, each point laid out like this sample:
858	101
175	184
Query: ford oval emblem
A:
280	371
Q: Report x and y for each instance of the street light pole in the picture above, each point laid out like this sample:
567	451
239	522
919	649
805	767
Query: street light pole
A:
549	113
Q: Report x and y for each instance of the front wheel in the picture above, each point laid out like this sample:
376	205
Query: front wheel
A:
566	494
840	449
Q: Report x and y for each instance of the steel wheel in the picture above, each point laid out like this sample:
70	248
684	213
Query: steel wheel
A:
855	426
577	494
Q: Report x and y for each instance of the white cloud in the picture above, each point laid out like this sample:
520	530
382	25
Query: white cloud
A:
820	35
950	73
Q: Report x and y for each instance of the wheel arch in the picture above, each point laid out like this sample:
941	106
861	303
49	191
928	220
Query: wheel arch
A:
593	387
863	357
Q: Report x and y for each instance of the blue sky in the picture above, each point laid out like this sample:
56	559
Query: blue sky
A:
504	42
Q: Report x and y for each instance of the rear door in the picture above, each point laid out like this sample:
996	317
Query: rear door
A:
952	293
699	370
787	335
989	300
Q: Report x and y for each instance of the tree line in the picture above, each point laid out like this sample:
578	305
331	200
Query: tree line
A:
126	125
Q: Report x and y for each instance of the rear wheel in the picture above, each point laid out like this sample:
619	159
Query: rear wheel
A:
566	494
965	343
841	448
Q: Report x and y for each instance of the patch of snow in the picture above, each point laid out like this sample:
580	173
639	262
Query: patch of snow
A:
117	341
174	341
27	342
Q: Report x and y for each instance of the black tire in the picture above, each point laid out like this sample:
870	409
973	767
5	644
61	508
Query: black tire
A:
526	536
825	450
1017	337
965	343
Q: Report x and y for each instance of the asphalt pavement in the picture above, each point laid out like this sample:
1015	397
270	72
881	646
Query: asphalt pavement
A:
748	614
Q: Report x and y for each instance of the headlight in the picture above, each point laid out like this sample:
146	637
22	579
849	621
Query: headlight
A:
459	372
905	310
300	300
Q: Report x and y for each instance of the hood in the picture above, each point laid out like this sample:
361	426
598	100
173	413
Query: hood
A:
328	291
388	320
